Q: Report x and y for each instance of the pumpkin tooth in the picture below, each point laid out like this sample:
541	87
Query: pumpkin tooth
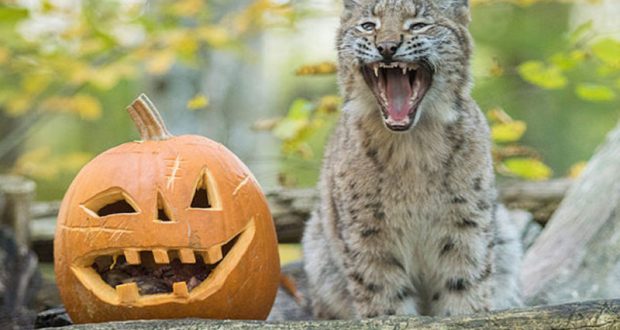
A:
132	256
180	289
187	256
212	255
128	292
161	256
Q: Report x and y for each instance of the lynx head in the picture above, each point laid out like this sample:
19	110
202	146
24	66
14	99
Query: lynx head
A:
407	55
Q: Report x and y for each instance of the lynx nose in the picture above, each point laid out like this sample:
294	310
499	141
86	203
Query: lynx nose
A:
387	49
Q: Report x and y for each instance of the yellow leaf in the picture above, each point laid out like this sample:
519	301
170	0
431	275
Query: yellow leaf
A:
525	3
86	106
161	62
198	102
576	170
34	84
36	164
187	7
498	115
496	70
527	168
18	105
541	75
216	36
107	77
41	163
608	51
289	253
595	93
508	132
184	43
568	61
323	68
329	104
80	73
4	55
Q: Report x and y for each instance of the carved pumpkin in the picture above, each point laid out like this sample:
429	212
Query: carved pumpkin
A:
166	227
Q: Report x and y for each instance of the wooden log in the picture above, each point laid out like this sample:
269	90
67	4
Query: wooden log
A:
603	314
18	193
292	207
577	256
541	198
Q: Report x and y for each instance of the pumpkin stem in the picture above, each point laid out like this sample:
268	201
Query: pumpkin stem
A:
148	120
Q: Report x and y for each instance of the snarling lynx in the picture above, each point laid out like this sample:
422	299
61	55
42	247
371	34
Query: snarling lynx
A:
408	221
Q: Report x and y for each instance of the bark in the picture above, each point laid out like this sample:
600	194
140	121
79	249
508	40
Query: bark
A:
539	198
603	314
577	256
292	207
17	193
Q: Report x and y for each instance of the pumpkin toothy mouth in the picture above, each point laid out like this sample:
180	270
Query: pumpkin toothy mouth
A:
143	277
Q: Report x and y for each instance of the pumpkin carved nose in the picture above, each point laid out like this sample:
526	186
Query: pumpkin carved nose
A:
387	49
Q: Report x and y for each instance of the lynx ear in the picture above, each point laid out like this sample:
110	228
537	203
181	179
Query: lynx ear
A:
351	4
458	10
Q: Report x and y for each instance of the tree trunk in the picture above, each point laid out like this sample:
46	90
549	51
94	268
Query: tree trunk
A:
577	256
587	315
17	193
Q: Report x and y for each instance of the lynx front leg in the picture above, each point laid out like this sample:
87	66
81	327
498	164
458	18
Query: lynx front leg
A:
464	266
379	286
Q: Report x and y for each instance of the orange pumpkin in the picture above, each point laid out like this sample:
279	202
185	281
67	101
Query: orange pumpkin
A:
166	227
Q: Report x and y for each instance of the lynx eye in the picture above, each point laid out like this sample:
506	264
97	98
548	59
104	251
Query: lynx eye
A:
417	26
368	26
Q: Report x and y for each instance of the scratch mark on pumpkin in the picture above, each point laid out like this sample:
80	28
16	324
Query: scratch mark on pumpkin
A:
173	175
241	184
98	230
189	230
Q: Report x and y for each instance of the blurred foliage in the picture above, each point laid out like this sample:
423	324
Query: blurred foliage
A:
75	61
289	253
511	158
591	67
316	69
581	61
67	57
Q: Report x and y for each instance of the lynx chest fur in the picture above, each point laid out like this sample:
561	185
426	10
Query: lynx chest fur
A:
408	221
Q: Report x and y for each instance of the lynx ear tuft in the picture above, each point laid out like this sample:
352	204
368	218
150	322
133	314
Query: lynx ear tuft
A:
458	10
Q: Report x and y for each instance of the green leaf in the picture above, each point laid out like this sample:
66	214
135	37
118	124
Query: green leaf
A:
567	61
579	32
199	101
595	93
300	109
528	168
11	15
288	129
541	75
508	132
608	51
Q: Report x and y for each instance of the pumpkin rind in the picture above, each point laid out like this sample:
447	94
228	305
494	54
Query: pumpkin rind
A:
167	171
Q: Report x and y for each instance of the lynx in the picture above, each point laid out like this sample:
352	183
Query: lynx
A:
408	221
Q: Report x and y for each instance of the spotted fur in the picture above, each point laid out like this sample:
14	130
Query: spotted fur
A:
408	222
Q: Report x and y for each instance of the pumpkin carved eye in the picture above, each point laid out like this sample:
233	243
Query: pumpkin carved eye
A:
163	210
110	202
201	199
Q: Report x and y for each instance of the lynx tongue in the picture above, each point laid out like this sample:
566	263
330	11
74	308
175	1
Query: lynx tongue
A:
398	91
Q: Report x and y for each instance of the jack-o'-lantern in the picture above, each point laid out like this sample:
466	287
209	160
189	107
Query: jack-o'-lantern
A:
166	227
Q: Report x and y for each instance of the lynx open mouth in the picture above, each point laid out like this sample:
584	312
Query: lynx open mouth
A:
399	88
143	277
